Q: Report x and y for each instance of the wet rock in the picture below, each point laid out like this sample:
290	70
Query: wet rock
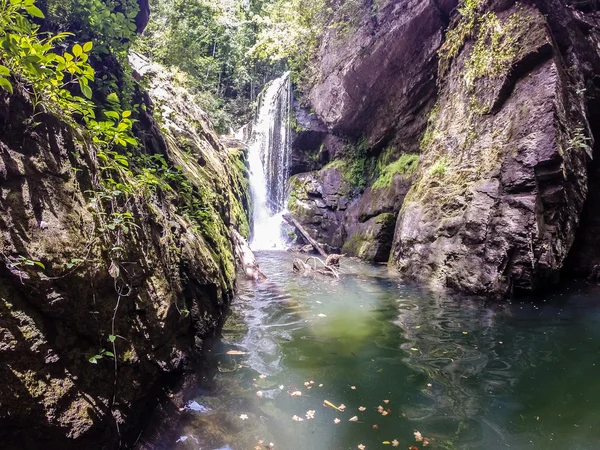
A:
163	291
369	222
504	171
380	82
309	151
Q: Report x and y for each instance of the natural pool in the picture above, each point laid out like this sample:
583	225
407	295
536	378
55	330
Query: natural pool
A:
462	373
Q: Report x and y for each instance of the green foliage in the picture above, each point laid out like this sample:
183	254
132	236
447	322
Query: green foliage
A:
23	261
102	354
30	59
110	23
209	41
406	165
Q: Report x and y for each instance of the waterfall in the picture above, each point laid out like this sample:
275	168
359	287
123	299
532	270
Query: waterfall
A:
269	158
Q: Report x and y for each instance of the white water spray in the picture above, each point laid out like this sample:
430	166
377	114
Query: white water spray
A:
269	159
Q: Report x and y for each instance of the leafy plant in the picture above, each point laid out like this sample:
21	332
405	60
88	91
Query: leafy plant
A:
102	354
29	59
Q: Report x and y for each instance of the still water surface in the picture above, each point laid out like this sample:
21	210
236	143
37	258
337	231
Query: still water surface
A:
464	374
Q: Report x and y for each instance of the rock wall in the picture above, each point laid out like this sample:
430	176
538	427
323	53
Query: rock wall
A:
63	291
503	175
499	99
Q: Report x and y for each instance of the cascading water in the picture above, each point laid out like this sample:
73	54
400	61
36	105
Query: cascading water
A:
269	159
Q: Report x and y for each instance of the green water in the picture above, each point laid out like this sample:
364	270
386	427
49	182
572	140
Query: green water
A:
465	374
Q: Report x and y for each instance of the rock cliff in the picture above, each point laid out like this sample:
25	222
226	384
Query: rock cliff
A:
147	282
498	98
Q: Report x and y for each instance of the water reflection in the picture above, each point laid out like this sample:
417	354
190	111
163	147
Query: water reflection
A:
465	374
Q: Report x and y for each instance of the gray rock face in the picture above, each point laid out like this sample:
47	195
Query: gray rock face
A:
362	227
504	174
380	82
318	201
503	183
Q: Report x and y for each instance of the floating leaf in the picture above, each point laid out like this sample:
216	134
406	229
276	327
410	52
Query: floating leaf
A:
235	352
296	394
310	414
336	420
418	436
353	388
395	443
353	419
361	408
328	403
243	416
386	401
361	447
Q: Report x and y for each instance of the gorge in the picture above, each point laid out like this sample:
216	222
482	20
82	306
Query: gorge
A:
448	149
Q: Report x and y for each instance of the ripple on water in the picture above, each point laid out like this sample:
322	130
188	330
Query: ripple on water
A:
466	374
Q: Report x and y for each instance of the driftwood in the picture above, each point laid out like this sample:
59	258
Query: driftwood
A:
305	268
246	258
290	219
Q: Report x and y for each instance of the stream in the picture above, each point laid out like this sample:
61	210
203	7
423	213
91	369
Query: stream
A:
411	368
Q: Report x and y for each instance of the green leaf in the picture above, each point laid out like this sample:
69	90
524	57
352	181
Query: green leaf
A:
87	91
39	264
4	71
77	50
88	46
5	84
113	98
112	114
126	114
34	11
111	354
111	338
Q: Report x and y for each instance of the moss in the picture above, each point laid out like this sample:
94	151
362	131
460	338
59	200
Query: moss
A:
496	46
405	166
457	36
355	245
440	167
431	133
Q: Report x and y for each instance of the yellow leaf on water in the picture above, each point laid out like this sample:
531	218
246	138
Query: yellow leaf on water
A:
386	442
328	403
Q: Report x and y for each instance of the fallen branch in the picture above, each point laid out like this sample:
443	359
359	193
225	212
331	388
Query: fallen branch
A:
246	257
290	219
305	268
